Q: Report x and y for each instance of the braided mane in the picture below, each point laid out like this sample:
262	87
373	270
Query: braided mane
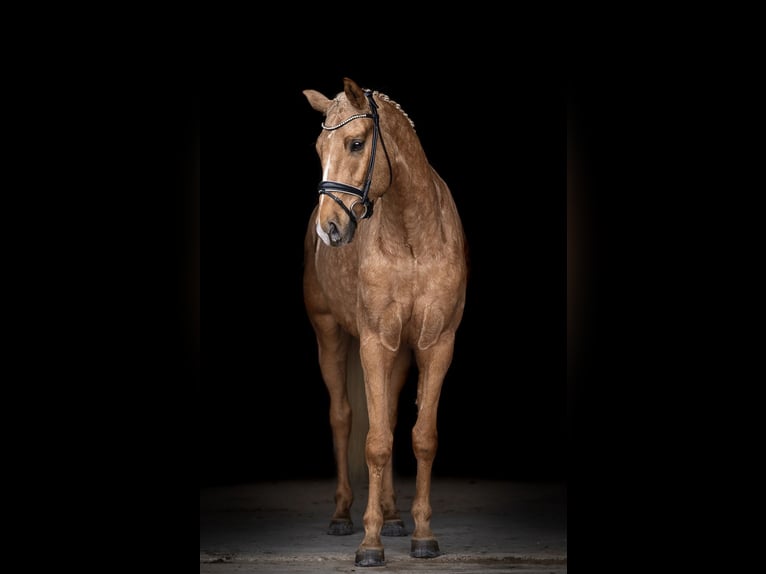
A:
385	98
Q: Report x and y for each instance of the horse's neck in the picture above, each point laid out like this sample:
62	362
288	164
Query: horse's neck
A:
411	210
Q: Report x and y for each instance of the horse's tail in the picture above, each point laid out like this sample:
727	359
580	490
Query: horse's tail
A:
360	423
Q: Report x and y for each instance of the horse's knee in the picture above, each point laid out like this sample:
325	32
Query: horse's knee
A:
378	449
424	445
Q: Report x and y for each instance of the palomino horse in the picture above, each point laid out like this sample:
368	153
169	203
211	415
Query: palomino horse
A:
385	273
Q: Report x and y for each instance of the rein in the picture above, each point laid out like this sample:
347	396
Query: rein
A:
327	187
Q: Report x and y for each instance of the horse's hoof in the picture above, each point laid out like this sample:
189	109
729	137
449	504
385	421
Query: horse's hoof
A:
424	548
372	557
393	528
339	527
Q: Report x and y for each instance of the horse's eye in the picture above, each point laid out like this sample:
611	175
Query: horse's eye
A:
356	145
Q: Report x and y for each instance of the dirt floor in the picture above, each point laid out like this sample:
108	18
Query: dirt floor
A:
481	526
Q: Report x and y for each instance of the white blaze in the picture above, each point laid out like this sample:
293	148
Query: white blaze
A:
320	232
327	165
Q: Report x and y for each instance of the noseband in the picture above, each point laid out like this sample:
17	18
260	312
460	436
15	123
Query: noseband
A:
327	187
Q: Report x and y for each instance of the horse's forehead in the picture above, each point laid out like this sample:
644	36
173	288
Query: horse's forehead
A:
340	109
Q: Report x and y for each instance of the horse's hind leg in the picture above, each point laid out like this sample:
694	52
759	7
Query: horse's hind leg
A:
333	344
432	367
392	522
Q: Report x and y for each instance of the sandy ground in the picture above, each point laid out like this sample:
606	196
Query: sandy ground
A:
481	526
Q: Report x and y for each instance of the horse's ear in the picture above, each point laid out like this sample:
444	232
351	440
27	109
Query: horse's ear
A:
354	93
319	102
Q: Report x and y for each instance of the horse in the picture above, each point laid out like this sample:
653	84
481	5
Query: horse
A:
384	281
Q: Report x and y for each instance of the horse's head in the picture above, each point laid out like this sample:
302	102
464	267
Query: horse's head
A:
352	179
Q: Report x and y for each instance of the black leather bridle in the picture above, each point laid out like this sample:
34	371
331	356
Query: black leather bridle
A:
327	187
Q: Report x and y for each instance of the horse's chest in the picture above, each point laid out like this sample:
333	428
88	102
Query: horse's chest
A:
397	297
401	302
376	283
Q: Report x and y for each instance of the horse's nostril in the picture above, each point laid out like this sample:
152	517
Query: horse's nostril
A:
333	233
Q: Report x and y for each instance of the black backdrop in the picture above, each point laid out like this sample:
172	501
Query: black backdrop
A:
499	141
493	121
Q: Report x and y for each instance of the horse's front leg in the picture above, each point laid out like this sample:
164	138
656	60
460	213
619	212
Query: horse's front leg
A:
333	344
432	367
392	522
378	362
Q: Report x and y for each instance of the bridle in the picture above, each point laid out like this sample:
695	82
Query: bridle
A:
327	187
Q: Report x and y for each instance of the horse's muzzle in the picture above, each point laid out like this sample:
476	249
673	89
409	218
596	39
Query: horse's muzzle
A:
336	235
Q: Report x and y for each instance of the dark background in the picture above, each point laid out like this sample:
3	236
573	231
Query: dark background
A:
501	145
574	176
169	308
